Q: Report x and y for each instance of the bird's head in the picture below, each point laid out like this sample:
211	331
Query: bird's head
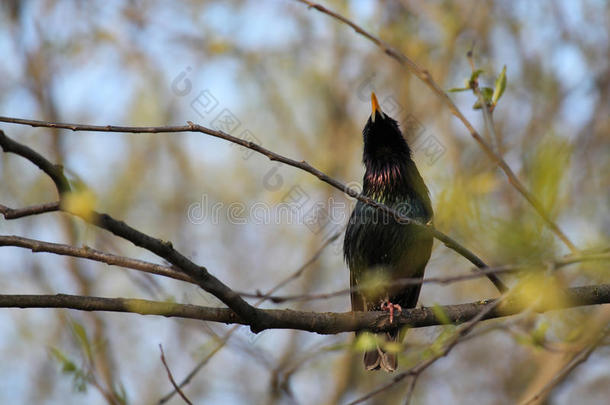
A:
382	136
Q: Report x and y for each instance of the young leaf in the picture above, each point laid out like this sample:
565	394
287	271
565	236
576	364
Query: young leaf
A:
458	89
67	366
81	335
365	341
486	93
475	75
500	86
80	202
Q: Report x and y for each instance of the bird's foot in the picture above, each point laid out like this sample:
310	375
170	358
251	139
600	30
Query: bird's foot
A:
388	306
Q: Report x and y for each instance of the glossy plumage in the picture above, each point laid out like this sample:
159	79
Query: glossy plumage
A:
377	246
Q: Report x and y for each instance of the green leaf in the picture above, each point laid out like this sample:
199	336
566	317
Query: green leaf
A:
486	93
81	335
458	89
500	86
67	366
475	75
58	354
441	315
79	376
365	341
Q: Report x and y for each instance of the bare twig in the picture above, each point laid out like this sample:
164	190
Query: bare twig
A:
322	323
411	389
579	358
303	165
483	313
161	248
199	365
298	272
10	213
96	255
398	282
173	272
426	77
555	264
171	377
262	299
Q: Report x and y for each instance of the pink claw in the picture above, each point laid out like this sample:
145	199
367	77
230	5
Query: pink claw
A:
388	306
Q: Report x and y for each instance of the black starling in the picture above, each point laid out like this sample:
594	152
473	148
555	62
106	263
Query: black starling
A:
378	247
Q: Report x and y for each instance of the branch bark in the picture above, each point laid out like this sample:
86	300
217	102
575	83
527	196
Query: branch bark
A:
10	213
322	323
95	255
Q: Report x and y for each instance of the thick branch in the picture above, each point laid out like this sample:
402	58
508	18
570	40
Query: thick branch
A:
161	248
303	165
323	323
426	77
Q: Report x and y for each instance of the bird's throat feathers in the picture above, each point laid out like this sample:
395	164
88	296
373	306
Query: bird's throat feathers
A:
391	175
386	178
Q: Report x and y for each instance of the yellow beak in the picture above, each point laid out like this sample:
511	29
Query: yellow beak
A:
375	106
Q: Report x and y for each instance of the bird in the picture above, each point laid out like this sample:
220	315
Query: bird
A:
379	246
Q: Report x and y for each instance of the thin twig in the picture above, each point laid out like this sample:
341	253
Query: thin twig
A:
555	264
579	358
10	213
426	77
95	255
159	247
277	299
303	165
417	370
174	273
296	274
199	366
411	389
171	377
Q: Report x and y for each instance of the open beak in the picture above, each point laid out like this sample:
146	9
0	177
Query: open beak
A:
375	107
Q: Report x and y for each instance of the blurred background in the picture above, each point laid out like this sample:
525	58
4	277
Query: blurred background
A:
297	82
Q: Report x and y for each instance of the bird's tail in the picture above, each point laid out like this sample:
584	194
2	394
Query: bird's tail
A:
379	359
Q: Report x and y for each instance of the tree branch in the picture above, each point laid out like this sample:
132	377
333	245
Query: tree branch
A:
175	273
425	76
456	337
322	323
95	255
303	165
171	377
10	213
161	248
55	172
580	357
227	335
